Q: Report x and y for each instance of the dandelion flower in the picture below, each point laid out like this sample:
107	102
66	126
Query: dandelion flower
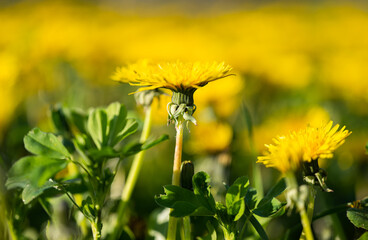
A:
182	78
304	146
283	155
320	143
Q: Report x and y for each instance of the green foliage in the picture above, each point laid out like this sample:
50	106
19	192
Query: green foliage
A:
358	217
241	201
87	140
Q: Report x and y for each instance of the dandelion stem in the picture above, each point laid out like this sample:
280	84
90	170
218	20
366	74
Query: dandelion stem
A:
171	233
305	223
133	174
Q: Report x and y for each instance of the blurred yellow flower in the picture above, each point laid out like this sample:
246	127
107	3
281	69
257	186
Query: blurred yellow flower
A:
283	155
305	145
210	137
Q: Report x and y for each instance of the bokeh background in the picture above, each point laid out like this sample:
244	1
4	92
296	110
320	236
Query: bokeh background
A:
295	64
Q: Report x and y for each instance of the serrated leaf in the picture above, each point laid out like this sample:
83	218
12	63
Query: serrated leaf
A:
202	190
183	202
235	197
358	217
34	170
45	144
97	127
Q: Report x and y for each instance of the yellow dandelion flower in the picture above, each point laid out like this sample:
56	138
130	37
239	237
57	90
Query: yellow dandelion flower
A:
320	143
283	155
177	76
305	145
182	78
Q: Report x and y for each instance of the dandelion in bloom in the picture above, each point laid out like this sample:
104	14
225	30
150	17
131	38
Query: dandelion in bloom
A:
303	149
183	79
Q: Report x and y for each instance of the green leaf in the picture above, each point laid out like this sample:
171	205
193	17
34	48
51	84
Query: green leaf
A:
358	217
59	120
364	236
133	148
269	205
79	119
30	192
104	152
258	227
202	190
34	170
235	197
45	144
183	202
116	114
251	198
97	127
130	127
154	141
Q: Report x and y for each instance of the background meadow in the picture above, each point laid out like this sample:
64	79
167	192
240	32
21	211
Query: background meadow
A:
295	64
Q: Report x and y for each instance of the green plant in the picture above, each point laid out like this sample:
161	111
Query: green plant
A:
94	142
241	204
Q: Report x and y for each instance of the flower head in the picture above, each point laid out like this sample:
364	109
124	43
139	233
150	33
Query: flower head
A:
182	78
176	76
305	145
283	155
320	143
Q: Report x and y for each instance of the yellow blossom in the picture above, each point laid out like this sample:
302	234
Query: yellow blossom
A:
177	76
319	143
305	145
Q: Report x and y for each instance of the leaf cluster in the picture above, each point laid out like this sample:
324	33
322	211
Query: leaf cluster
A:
240	203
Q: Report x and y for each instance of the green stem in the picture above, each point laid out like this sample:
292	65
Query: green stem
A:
96	230
133	175
305	223
186	226
171	233
310	205
256	170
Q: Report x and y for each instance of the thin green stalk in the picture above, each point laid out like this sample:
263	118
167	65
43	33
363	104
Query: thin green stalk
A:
11	230
186	227
311	200
256	170
305	223
300	204
171	233
133	174
96	230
